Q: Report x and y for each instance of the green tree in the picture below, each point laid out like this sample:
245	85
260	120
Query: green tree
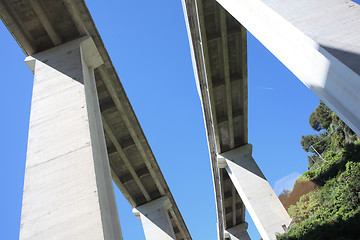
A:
333	134
333	210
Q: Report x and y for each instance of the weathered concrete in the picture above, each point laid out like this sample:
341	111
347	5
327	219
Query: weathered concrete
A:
237	232
265	209
155	219
218	49
40	25
317	40
68	191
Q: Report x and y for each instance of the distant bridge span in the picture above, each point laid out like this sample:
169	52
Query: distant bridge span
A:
317	40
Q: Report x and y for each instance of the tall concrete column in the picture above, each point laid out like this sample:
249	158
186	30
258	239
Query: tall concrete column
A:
317	40
265	209
155	219
238	232
68	192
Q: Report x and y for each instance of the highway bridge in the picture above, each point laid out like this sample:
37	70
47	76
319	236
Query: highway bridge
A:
222	83
306	40
219	50
41	25
218	45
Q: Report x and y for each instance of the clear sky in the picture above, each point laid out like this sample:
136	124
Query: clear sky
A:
148	44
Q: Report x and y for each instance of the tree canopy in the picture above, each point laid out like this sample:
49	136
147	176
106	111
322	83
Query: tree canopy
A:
333	134
331	211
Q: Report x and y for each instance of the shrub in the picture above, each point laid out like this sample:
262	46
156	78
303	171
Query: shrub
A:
332	212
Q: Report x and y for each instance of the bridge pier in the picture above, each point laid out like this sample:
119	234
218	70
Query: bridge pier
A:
265	209
68	192
237	232
155	219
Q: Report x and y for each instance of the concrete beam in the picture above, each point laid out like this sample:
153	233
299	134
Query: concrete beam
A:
19	32
207	75
317	40
265	209
237	232
123	156
69	4
155	219
175	218
130	126
44	19
122	187
68	192
226	68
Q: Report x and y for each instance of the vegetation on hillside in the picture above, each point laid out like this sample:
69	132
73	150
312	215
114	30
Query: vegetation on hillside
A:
333	135
333	210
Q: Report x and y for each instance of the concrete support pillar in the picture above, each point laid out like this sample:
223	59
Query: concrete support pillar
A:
237	232
68	192
317	40
155	219
265	209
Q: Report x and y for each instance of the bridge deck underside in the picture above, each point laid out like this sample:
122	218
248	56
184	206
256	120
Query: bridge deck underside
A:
219	52
38	25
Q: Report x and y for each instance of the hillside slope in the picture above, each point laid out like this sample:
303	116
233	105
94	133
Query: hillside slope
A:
325	201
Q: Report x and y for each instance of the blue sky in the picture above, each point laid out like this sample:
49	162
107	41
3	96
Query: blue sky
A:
147	42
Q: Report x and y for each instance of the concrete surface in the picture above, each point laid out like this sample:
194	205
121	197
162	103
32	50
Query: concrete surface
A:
68	192
264	207
218	48
317	40
40	25
155	219
238	232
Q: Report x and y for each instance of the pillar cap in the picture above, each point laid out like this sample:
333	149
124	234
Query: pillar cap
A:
221	158
244	149
89	52
242	227
162	202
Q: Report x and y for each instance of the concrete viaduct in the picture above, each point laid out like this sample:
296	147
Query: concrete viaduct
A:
304	37
83	131
76	115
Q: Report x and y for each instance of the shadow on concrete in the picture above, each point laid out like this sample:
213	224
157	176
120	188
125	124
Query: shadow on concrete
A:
243	159
68	63
351	60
